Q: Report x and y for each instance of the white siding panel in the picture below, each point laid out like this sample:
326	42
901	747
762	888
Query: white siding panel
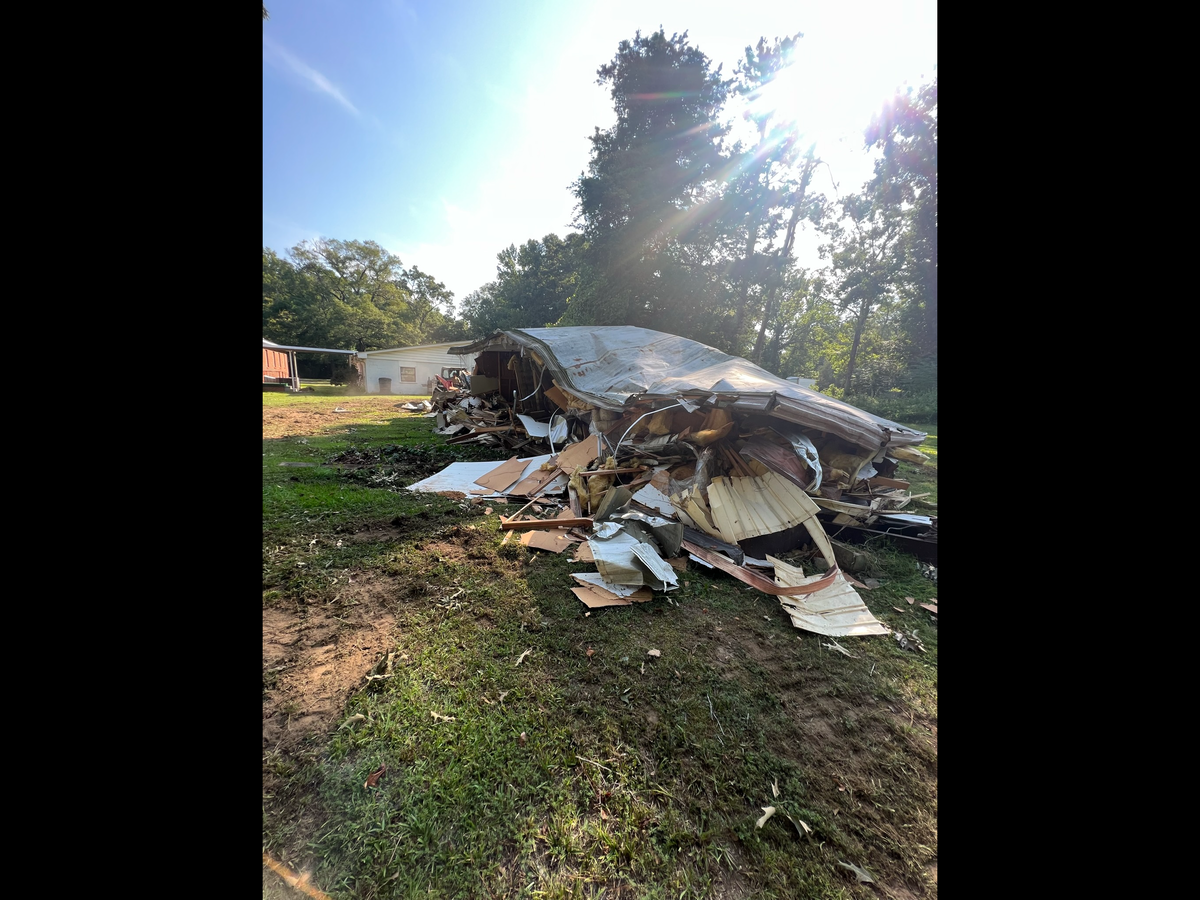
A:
428	361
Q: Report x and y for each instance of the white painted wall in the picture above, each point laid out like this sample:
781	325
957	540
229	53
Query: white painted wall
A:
428	361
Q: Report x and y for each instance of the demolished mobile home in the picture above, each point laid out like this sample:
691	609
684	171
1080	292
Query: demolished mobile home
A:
662	445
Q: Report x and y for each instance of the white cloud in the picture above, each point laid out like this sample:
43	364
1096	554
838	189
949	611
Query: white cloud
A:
280	58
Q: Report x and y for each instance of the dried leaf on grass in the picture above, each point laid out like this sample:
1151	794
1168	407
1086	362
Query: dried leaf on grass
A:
775	788
373	778
438	717
768	811
932	607
800	824
521	658
861	874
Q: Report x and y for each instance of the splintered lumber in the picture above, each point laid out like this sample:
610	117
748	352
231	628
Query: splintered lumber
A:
531	524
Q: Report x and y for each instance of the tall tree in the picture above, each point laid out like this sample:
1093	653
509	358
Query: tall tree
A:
906	180
426	298
534	283
645	202
865	263
343	294
763	180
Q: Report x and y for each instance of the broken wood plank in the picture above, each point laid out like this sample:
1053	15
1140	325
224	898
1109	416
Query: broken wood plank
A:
533	524
613	471
880	481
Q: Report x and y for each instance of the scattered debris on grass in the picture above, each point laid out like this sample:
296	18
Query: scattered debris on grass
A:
834	645
373	778
909	641
659	444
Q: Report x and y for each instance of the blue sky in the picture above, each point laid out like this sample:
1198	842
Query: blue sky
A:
448	130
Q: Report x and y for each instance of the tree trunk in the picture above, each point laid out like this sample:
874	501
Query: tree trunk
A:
784	255
740	313
859	327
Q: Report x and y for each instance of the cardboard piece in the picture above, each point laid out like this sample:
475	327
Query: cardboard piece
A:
555	541
503	476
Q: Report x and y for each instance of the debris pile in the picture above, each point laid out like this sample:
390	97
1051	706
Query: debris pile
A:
471	410
664	450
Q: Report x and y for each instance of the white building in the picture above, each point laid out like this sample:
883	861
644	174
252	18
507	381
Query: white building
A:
411	370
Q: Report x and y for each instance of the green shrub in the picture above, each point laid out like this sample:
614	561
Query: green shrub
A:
899	405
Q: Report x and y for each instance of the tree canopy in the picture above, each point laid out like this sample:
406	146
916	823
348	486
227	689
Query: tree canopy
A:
351	294
683	229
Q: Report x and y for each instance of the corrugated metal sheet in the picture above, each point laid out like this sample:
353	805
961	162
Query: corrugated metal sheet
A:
612	367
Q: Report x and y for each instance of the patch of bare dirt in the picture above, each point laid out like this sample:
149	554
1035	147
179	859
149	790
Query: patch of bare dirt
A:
315	658
310	417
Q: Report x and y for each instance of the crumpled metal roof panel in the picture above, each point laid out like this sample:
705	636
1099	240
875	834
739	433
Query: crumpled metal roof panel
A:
615	365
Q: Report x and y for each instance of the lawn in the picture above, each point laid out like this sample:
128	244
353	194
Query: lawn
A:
530	748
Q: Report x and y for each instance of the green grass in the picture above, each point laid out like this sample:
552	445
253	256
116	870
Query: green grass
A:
637	777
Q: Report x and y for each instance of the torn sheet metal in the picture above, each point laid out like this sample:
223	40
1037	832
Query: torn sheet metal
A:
649	495
659	568
905	519
612	367
460	476
623	559
742	507
752	578
781	460
802	445
834	611
537	429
